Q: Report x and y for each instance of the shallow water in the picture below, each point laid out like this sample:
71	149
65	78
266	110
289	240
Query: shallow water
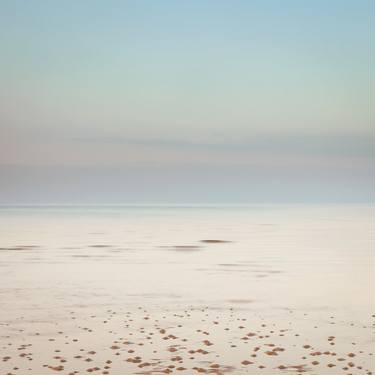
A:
298	278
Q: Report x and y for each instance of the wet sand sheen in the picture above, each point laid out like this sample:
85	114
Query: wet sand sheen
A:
106	295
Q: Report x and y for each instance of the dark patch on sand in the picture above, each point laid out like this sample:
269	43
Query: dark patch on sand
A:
215	241
185	247
17	248
100	246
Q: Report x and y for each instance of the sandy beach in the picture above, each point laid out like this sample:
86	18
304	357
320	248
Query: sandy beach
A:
187	187
154	290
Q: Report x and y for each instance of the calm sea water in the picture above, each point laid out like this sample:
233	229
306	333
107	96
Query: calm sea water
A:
301	259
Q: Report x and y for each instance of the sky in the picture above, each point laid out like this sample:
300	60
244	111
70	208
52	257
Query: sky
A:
187	101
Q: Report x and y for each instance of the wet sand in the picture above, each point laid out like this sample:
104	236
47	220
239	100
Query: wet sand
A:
262	290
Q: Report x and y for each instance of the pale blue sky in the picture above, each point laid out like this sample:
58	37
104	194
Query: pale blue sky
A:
266	90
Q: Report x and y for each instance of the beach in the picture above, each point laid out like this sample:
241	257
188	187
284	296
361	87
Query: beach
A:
260	289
